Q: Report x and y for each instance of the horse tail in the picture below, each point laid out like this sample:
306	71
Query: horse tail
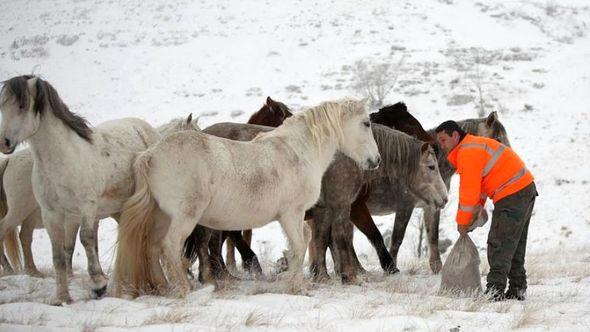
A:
12	245
132	271
11	241
191	246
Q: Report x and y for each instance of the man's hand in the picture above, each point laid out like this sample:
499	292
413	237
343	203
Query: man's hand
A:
477	213
463	229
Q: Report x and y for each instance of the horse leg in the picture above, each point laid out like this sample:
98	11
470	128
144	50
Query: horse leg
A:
249	259
431	220
172	254
3	259
88	238
247	237
320	239
292	223
203	238
230	256
361	218
358	267
71	233
402	218
342	234
54	223
161	223
26	240
216	257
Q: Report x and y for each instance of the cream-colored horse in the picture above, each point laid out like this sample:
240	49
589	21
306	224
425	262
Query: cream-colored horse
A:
193	178
21	208
80	174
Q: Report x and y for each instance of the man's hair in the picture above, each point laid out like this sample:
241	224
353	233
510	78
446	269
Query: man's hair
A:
449	127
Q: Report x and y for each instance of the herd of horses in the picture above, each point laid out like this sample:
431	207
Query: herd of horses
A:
179	192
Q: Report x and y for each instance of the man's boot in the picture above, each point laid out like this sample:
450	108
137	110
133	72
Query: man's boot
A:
515	294
494	294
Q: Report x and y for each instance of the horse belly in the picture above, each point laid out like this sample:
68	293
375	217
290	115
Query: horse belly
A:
236	213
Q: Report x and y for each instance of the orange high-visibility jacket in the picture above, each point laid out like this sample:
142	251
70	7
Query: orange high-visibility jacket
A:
487	169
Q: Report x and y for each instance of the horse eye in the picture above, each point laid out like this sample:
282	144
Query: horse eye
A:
431	168
367	124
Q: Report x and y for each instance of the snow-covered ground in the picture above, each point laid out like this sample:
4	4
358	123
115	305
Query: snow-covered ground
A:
220	59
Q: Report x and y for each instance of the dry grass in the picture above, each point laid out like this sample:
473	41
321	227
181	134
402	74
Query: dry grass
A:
299	287
317	323
415	267
169	317
474	305
25	319
501	307
424	306
90	326
552	264
258	317
529	315
362	312
402	284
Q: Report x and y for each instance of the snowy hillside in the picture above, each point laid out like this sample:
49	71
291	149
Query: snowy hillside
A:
220	59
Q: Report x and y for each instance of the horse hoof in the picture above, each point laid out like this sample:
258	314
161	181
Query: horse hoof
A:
349	279
35	273
59	301
190	274
435	266
321	277
281	265
392	270
253	266
99	292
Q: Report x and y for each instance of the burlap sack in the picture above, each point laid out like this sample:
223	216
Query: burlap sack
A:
460	273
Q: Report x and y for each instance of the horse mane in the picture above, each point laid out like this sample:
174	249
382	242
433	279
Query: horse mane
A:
323	121
400	153
47	95
398	117
180	123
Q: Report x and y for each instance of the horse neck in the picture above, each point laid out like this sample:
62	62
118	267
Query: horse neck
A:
386	170
168	128
54	142
299	138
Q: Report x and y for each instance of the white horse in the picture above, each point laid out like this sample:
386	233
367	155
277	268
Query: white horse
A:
193	178
80	175
21	208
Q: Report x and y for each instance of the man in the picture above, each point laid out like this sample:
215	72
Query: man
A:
490	169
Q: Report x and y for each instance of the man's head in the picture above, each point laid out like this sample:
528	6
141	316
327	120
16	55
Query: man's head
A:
449	134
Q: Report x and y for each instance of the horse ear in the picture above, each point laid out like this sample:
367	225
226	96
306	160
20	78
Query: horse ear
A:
32	86
271	104
401	106
189	119
492	118
424	147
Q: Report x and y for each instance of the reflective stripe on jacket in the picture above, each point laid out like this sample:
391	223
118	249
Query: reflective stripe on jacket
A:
487	169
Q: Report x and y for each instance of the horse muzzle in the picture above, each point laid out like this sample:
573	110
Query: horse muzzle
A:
7	146
441	204
373	163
